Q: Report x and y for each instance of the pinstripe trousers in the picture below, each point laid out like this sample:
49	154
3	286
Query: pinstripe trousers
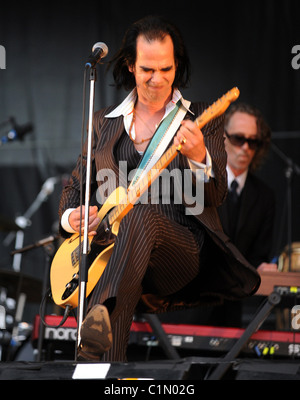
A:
153	247
150	253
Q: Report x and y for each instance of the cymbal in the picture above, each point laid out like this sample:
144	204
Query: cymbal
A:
11	280
7	224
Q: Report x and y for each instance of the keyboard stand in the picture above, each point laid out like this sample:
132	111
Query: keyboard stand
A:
272	300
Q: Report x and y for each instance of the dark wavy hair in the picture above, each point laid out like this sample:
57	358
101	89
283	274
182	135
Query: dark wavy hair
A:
263	131
152	28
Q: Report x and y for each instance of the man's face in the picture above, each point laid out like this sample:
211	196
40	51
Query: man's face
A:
239	158
154	70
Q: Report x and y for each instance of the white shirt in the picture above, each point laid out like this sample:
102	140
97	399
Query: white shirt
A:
241	179
126	109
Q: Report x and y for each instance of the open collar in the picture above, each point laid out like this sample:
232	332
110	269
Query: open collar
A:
127	106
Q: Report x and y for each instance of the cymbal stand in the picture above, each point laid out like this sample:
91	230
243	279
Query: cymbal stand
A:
24	221
47	244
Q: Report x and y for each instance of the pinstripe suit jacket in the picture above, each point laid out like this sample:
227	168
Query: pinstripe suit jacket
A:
225	272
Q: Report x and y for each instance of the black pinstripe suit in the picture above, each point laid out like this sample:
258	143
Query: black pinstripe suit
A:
163	259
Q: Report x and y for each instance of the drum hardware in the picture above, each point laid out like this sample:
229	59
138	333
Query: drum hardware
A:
24	221
23	288
7	309
2	318
27	288
17	233
47	244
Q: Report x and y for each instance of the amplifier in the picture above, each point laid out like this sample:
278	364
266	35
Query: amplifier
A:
188	337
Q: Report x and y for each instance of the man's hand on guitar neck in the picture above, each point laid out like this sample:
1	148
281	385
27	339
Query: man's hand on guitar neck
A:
74	219
191	139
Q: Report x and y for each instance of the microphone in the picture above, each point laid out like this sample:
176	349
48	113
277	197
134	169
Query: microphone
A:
17	133
99	51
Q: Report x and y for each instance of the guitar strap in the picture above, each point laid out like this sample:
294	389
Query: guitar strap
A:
159	142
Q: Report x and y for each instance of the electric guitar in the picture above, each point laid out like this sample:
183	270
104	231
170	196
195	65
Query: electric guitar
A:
64	272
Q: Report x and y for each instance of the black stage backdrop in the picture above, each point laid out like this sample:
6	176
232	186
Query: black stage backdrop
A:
235	43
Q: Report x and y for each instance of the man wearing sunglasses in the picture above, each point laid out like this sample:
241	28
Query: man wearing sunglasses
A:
248	213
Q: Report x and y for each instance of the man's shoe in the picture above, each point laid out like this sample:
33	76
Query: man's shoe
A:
95	334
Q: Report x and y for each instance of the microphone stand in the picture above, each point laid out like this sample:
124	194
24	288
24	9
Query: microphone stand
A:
291	168
83	267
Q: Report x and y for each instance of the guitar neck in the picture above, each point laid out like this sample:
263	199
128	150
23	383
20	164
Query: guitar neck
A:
218	107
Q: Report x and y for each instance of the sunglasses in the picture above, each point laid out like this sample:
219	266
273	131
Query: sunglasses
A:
239	140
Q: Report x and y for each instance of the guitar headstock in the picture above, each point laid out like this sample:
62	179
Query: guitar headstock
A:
218	107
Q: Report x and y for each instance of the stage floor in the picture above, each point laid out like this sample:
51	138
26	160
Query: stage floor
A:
193	368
